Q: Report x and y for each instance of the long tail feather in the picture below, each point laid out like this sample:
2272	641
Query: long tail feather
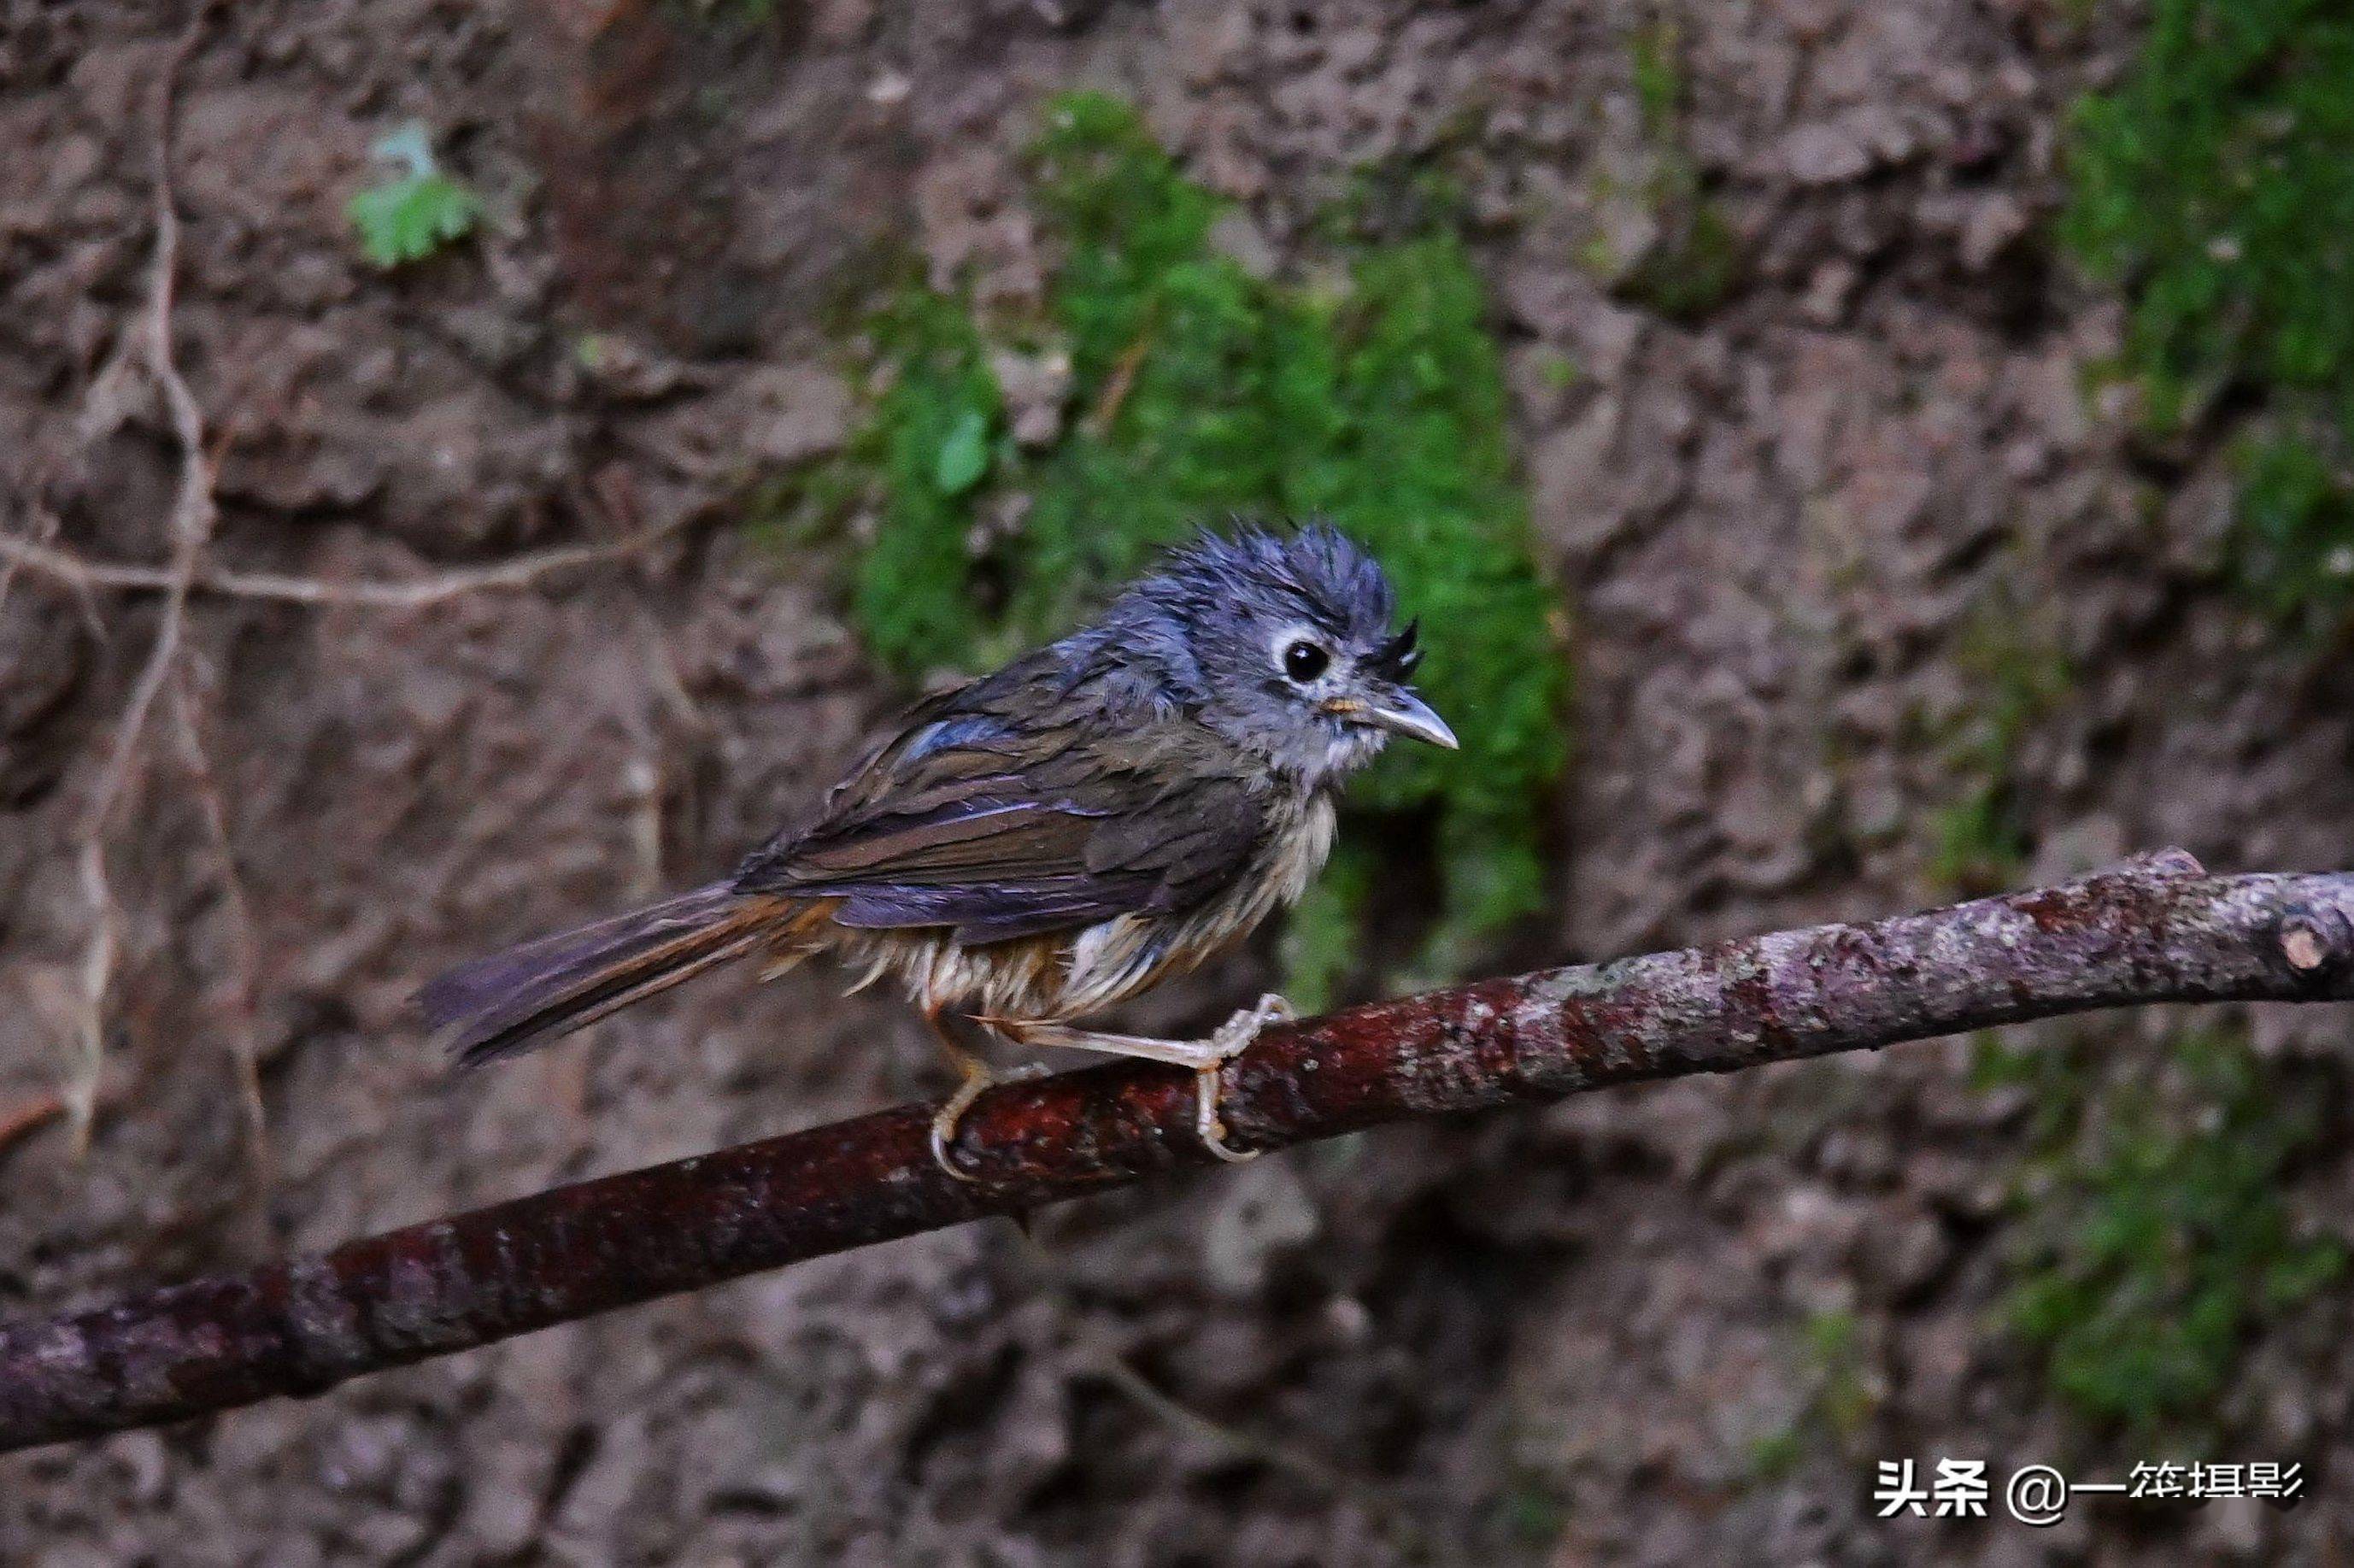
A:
542	991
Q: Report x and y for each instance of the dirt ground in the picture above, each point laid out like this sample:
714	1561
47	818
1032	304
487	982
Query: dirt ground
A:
1563	1335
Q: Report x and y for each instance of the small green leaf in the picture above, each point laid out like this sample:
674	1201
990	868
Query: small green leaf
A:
964	456
413	213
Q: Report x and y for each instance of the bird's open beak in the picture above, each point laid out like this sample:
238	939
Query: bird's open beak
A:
1409	715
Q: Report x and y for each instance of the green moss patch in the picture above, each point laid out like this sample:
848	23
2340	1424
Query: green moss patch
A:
1374	396
2152	1240
2216	184
1980	840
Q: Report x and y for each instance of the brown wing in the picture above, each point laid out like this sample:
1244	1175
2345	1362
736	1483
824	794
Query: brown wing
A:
972	818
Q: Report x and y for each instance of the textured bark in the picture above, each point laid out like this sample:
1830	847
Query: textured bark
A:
2158	930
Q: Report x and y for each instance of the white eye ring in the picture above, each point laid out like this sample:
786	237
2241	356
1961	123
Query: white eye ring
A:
1301	655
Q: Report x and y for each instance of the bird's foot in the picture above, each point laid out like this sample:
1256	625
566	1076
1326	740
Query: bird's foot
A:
1232	1037
1230	1040
1204	1057
979	1079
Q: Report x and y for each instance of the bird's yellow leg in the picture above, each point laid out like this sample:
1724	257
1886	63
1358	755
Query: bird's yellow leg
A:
979	1078
1205	1057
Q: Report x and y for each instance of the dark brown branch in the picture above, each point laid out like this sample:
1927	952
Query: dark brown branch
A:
2155	931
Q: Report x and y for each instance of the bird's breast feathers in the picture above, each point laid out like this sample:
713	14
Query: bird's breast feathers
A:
1110	962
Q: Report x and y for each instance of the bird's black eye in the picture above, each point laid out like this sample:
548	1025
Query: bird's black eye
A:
1303	661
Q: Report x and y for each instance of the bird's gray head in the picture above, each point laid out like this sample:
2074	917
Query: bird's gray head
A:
1281	642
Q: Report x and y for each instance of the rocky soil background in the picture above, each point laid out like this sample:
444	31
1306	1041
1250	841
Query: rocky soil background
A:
1670	1325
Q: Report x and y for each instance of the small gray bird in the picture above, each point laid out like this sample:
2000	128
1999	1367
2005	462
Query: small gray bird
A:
1034	846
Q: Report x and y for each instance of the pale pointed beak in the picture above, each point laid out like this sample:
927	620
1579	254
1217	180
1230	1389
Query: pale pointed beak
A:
1409	715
